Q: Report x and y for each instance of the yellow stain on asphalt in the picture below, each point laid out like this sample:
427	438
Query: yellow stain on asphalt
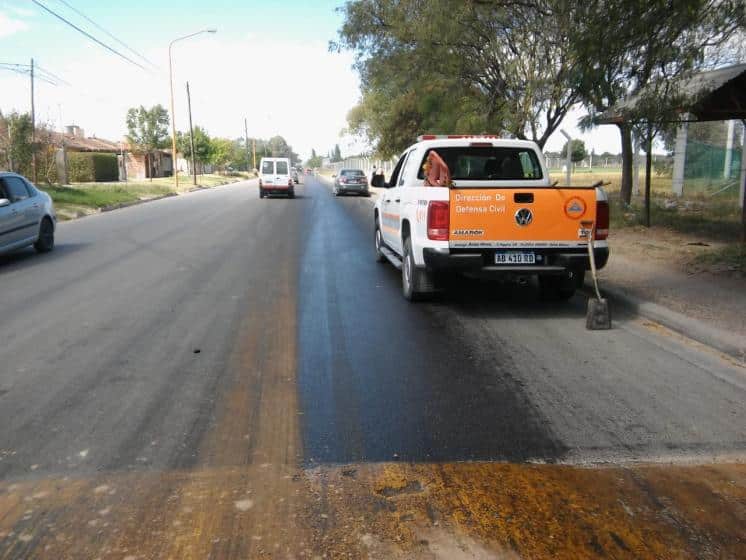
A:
454	510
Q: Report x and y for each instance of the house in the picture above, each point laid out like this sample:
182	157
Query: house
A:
136	165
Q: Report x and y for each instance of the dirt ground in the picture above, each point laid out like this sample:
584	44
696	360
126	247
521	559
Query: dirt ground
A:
671	269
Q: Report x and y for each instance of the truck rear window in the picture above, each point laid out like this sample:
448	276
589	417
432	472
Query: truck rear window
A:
488	163
282	168
268	167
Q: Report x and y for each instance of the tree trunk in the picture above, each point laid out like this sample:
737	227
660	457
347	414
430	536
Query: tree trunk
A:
648	168
626	191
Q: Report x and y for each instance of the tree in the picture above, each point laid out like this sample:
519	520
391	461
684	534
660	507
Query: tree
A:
221	150
577	150
148	130
454	66
626	48
15	141
202	146
279	147
336	154
315	160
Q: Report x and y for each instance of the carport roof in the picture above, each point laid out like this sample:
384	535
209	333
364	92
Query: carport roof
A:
715	95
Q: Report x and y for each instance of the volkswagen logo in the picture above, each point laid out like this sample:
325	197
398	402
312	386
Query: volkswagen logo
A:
523	217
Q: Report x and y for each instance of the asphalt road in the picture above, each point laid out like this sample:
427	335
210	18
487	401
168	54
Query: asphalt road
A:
216	331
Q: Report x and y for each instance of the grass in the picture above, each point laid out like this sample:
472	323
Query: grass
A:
82	198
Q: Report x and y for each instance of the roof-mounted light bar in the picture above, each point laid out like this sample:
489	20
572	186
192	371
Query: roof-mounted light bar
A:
455	136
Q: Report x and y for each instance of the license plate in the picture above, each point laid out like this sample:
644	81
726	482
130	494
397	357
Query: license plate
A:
515	258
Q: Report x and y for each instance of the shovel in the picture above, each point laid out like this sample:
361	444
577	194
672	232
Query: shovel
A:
597	316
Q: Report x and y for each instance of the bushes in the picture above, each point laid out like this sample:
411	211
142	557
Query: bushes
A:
86	167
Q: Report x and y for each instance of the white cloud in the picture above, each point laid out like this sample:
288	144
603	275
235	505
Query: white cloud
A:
10	26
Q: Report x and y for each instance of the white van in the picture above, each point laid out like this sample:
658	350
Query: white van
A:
275	177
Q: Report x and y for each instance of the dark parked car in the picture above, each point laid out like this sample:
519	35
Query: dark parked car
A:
351	181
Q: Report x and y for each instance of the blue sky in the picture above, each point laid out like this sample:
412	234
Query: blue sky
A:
269	62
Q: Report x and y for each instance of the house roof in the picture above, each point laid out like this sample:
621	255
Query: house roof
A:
78	143
715	95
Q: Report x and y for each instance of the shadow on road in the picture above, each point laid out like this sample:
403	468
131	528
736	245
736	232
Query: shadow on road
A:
28	257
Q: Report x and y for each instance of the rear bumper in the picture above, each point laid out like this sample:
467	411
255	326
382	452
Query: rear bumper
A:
549	261
352	188
275	188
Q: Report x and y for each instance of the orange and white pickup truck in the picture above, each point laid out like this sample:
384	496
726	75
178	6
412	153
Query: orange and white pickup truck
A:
485	205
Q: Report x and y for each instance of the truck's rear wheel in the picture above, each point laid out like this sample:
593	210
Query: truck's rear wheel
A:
378	238
416	282
560	288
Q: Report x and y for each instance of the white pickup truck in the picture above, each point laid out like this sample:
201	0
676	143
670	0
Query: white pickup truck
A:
485	205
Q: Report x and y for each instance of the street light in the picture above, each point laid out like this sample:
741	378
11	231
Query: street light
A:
173	115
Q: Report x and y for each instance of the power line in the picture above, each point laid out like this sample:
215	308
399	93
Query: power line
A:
53	76
91	37
125	45
26	70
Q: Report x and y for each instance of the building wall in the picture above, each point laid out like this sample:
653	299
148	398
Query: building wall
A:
137	165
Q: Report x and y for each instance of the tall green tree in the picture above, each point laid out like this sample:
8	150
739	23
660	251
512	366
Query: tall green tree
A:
147	130
455	66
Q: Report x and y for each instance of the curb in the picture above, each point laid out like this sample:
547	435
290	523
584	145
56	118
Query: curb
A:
135	202
695	329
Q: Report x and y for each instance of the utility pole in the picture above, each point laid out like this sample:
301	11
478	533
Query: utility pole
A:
246	135
191	136
568	163
253	151
33	124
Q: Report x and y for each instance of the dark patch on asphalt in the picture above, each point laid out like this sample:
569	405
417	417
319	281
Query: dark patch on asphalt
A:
381	378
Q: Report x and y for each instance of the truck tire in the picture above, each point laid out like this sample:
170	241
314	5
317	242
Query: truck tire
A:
378	240
417	283
560	288
291	193
261	192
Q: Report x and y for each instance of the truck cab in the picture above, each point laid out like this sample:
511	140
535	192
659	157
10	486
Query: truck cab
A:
495	213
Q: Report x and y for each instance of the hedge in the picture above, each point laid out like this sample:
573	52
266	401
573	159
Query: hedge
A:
87	167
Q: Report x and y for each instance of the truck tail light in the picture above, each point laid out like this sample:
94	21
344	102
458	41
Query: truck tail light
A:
602	220
438	220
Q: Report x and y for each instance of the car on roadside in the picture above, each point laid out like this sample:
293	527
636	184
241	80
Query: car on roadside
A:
485	206
350	181
27	215
296	177
275	177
